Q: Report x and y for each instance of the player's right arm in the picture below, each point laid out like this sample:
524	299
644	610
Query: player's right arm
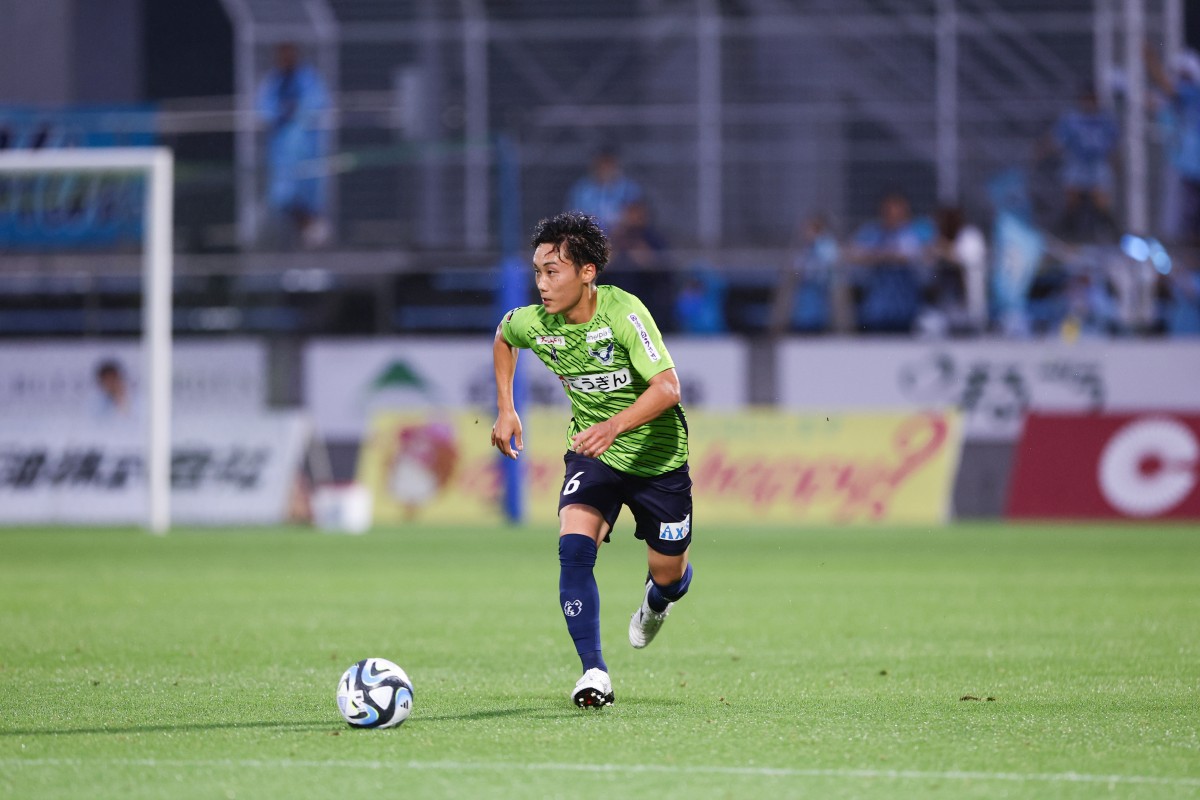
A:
506	433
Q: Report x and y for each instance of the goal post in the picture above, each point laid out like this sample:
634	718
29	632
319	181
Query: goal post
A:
158	165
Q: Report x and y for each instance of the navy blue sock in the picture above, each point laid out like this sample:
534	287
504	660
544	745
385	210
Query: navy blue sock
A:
661	595
580	597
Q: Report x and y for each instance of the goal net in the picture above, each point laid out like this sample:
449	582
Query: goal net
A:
25	168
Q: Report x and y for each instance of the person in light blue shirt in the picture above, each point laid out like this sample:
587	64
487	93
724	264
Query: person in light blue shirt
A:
890	256
1086	136
700	303
1179	122
115	401
291	100
1179	301
804	298
605	192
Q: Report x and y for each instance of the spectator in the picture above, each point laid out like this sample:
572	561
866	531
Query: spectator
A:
804	299
889	255
1086	137
1096	303
1017	252
1179	120
640	263
1181	312
605	191
957	295
291	100
114	401
700	305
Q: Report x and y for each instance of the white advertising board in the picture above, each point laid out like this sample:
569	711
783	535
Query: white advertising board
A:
236	469
347	380
44	379
993	382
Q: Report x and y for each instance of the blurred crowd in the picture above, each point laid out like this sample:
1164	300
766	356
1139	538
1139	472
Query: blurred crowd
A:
1048	256
1035	263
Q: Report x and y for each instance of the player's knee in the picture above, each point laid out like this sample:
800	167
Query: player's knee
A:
664	574
576	550
583	519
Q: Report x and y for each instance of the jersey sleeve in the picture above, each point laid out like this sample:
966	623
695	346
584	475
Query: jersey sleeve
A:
639	335
515	327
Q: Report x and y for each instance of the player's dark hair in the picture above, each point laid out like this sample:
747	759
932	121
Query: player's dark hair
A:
576	234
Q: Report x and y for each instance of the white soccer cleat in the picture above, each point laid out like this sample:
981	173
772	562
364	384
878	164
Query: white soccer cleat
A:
593	690
645	622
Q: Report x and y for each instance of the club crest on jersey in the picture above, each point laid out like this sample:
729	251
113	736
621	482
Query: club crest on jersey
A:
604	355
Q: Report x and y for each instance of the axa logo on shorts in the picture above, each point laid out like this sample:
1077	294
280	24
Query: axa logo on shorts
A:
675	531
644	336
572	608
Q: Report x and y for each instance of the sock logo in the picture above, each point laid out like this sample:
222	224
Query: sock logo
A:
572	608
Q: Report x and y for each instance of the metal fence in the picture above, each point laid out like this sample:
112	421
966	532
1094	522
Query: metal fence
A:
738	117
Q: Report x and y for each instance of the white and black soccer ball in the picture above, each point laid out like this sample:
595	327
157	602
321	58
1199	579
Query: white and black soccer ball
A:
375	693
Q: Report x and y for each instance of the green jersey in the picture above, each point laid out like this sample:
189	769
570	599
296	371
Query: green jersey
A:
604	365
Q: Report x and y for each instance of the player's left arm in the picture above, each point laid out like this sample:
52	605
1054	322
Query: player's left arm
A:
661	394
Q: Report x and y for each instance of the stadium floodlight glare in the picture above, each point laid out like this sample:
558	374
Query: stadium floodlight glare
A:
158	165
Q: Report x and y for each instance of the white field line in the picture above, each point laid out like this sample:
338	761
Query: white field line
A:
501	766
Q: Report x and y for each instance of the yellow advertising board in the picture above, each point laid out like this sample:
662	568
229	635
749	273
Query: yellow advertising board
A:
747	467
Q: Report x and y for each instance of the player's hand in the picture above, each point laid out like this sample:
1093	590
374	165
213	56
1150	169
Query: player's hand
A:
595	440
505	431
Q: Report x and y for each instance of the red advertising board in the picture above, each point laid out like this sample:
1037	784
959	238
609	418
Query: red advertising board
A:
1107	466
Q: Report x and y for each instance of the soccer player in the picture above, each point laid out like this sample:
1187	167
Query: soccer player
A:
627	440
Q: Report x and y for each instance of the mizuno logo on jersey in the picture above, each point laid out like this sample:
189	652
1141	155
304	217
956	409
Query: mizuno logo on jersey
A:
599	335
604	382
645	337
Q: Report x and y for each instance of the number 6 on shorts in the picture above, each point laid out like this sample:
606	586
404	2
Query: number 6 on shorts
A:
572	484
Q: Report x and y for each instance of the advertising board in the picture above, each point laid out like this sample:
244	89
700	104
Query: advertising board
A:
1109	466
54	379
747	468
237	470
994	383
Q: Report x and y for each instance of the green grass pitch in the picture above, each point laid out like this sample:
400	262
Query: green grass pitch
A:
970	661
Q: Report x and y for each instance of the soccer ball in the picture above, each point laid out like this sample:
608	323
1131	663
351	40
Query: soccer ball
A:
374	693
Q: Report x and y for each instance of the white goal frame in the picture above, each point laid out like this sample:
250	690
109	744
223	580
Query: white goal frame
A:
158	165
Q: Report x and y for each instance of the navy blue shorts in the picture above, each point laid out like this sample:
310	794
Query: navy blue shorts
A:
661	505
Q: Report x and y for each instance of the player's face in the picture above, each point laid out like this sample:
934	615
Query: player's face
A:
561	284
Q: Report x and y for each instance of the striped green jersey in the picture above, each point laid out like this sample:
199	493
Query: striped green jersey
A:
604	365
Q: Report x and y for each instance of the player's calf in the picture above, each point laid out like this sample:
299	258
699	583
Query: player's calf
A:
656	605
